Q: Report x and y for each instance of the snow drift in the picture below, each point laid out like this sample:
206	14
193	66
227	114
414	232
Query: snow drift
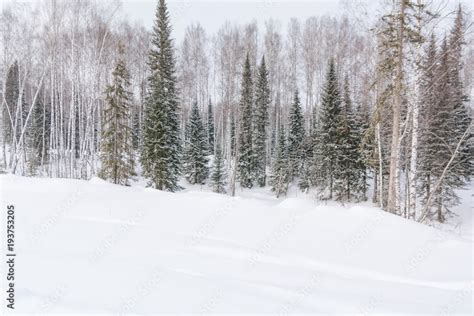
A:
90	246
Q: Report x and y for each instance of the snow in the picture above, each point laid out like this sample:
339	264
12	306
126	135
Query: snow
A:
91	246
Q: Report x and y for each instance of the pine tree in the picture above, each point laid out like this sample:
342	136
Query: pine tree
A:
38	135
246	157
195	159
116	152
262	104
12	94
233	142
279	178
210	127
461	116
161	136
218	176
295	138
429	83
350	167
327	150
306	160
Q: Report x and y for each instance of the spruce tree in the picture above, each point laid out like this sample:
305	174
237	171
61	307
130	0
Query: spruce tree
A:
440	142
246	157
262	104
349	169
12	94
218	176
295	138
461	115
279	178
429	83
38	135
116	145
232	134
210	127
161	136
195	150
328	150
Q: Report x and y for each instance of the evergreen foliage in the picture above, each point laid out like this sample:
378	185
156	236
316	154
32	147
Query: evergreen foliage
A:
246	156
218	177
116	151
161	135
295	137
280	178
261	122
195	150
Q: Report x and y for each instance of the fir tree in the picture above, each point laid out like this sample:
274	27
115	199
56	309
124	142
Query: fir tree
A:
461	115
232	134
279	178
218	176
210	127
161	136
262	103
328	150
195	159
246	157
295	138
12	94
429	83
350	168
38	135
116	152
440	142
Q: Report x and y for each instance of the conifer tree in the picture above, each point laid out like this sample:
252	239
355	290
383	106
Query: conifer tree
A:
327	150
195	159
245	155
429	83
12	94
349	168
262	104
279	178
116	152
461	116
161	136
210	127
218	176
232	134
38	135
295	137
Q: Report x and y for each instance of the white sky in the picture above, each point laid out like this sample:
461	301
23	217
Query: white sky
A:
211	14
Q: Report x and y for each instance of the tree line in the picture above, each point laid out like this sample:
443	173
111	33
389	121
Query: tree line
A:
386	109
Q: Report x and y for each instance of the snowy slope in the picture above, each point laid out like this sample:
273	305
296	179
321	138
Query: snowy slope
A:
90	246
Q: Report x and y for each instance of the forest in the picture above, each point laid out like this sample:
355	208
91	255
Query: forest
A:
343	110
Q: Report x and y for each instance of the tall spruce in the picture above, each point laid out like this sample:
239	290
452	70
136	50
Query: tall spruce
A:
295	137
195	150
261	122
350	167
161	136
116	145
245	154
461	115
279	178
429	83
328	150
218	177
12	95
210	127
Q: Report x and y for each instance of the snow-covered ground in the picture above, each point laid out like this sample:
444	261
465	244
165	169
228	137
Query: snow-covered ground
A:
90	246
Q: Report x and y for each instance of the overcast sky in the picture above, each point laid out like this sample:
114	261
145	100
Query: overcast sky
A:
213	13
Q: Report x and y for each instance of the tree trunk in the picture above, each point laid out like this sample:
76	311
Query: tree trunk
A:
393	182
